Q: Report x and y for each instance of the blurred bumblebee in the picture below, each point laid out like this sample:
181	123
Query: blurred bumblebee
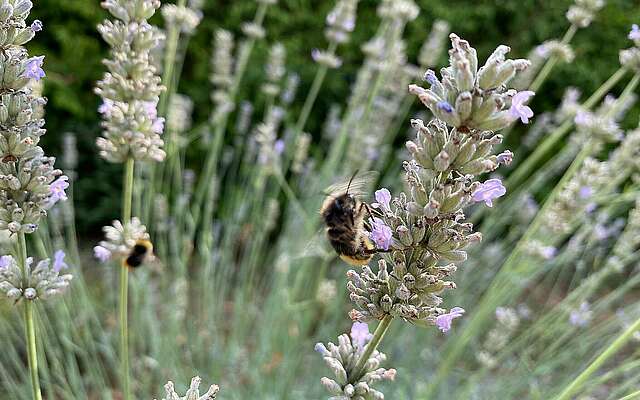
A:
344	216
141	252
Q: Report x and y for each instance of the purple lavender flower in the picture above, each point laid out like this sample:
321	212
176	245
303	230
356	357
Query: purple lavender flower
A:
505	158
635	32
430	77
582	316
278	146
58	261
33	68
158	125
57	190
548	252
383	199
5	261
443	322
36	25
519	109
360	334
106	107
381	234
445	106
489	191
101	253
590	207
585	192
321	348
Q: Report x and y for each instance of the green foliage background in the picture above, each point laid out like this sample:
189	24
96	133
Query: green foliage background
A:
73	51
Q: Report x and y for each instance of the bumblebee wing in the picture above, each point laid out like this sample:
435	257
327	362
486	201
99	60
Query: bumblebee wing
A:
357	185
316	247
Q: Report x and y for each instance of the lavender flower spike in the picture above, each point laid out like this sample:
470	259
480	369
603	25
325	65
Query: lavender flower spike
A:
519	109
489	191
443	322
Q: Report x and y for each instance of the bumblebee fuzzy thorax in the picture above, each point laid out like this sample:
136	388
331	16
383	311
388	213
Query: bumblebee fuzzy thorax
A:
141	252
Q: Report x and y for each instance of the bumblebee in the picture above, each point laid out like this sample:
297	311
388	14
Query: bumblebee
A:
344	216
141	252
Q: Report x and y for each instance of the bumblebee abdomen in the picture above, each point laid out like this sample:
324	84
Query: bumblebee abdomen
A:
139	253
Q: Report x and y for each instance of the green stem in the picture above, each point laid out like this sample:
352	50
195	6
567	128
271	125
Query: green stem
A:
169	65
318	80
382	328
551	62
29	324
124	282
634	395
597	363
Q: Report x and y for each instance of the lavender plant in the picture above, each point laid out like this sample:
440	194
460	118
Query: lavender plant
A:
30	185
130	92
426	227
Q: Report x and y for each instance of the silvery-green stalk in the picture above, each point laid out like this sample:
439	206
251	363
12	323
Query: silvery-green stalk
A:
131	88
507	322
434	45
193	393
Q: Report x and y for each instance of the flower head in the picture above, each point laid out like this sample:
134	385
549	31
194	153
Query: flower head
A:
489	191
381	234
33	68
443	322
519	109
58	261
360	334
383	199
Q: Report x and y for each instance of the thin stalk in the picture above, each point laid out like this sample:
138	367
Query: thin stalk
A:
382	328
221	126
124	283
29	324
169	65
551	62
318	80
598	362
634	395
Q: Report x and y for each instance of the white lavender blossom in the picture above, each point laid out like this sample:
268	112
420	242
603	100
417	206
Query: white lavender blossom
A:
29	183
222	73
179	113
342	359
469	98
131	88
341	21
40	282
186	18
583	12
193	393
274	70
630	58
119	240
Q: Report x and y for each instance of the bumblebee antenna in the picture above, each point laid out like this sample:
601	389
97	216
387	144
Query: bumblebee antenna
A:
351	180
